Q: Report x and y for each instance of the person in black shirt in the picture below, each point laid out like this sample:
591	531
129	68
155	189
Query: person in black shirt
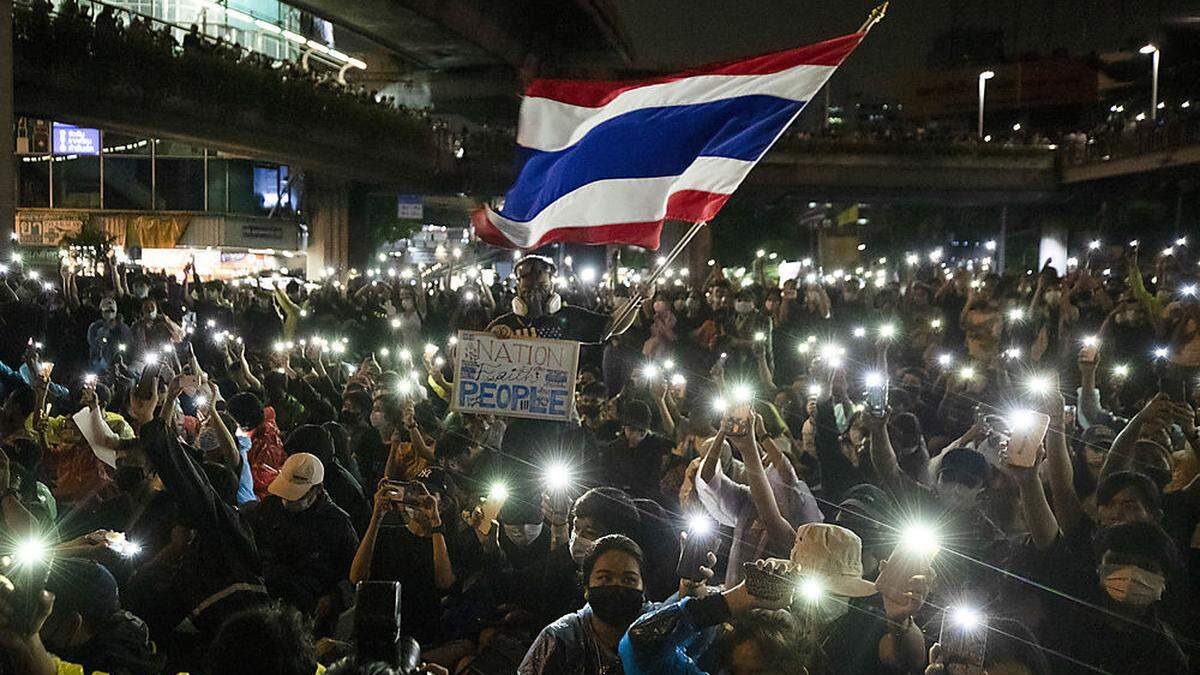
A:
634	461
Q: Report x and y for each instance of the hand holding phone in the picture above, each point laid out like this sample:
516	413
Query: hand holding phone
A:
963	641
1027	431
696	544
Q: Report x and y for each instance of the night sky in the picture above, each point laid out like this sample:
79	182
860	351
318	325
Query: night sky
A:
668	34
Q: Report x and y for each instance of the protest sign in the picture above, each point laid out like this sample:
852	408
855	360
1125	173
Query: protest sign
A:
517	377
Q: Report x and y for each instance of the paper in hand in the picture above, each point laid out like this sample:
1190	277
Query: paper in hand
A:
99	436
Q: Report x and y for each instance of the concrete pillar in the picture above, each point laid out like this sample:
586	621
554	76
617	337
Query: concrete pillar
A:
8	161
328	208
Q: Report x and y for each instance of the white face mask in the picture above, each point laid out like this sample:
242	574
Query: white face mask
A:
580	548
957	495
743	306
1131	585
153	314
523	535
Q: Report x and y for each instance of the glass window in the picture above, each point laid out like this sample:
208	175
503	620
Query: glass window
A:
180	184
76	182
242	198
216	185
127	182
168	148
266	186
33	180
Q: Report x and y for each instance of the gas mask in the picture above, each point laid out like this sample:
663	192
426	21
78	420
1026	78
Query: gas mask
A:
537	301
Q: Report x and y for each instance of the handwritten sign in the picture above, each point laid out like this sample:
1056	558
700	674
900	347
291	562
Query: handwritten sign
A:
518	377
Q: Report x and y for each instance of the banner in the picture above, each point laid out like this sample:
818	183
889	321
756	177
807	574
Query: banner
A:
517	377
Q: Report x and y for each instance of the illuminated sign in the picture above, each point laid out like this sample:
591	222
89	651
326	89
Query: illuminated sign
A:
72	140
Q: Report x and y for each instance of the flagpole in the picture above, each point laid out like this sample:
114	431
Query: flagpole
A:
875	17
636	300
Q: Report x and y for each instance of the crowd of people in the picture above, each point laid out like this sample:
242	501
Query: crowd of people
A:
829	473
165	67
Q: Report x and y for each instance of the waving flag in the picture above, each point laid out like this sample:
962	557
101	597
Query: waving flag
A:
607	162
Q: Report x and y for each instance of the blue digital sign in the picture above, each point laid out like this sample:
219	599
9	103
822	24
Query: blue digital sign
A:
72	140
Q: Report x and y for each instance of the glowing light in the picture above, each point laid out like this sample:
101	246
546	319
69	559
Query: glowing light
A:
699	525
742	393
935	324
30	551
945	359
814	390
1039	384
587	275
1094	245
759	253
1182	241
760	336
967	618
967	373
990	244
200	401
912	258
650	371
1021	420
430	349
920	538
1189	290
498	491
384	352
1170	250
678	380
860	332
804	347
1161	352
1149	48
887	331
811	589
1016	314
1120	370
405	355
558	477
874	379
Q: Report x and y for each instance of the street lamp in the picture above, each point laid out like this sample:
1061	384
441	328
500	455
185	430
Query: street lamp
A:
1154	53
983	78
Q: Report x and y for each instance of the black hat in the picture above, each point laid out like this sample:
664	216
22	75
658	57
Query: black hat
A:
636	415
85	587
965	464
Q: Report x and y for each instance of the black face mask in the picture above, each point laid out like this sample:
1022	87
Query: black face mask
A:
128	478
616	605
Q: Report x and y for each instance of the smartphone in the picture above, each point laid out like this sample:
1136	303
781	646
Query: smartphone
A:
694	553
377	619
1025	438
404	491
901	567
491	509
762	583
877	400
964	647
1173	384
148	381
28	580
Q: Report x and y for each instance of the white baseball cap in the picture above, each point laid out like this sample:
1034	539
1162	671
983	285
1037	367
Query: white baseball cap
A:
833	553
300	472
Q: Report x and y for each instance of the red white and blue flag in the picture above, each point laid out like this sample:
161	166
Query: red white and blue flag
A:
607	162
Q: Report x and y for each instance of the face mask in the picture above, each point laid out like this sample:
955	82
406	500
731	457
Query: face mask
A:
299	505
615	605
128	478
378	420
1052	297
1131	585
408	305
140	291
743	306
523	535
109	314
208	440
580	548
957	495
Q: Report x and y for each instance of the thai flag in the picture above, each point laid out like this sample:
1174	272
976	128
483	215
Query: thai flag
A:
606	162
